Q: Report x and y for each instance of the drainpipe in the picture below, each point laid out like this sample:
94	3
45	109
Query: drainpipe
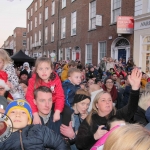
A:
58	29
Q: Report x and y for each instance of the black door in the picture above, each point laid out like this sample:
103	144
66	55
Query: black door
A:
121	54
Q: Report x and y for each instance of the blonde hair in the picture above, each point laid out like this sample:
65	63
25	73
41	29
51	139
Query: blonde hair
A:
5	57
83	92
144	101
95	109
38	61
73	70
128	137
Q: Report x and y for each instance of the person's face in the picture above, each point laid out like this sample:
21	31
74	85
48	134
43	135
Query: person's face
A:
121	76
24	87
44	70
109	84
92	69
19	119
75	78
2	91
99	83
24	77
26	67
104	104
82	106
90	82
114	77
1	64
43	103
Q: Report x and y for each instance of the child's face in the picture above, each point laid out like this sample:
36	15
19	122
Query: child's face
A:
1	64
19	119
75	78
44	70
2	91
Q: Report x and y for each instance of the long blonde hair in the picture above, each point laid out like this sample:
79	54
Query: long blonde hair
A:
5	57
94	108
128	137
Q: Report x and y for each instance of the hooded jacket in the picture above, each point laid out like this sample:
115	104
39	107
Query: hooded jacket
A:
56	88
64	74
33	137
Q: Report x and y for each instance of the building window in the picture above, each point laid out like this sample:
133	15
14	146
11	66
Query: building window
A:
138	8
31	11
40	2
67	54
31	25
63	28
148	5
35	21
46	35
28	15
116	10
46	13
73	23
40	18
35	37
52	32
101	50
36	6
60	54
40	37
27	43
63	3
53	7
28	27
24	34
30	42
92	21
88	54
24	42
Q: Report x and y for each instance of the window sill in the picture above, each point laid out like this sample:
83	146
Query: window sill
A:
52	15
91	30
114	23
62	38
52	41
63	7
73	35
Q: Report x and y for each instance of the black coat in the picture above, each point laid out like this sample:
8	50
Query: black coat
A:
85	137
34	137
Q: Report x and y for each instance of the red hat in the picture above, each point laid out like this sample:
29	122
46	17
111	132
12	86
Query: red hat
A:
3	80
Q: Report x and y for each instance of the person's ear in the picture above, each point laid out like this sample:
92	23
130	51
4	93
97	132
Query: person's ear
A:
34	101
96	105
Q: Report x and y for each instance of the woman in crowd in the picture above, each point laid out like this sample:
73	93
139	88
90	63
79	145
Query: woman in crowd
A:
91	128
128	137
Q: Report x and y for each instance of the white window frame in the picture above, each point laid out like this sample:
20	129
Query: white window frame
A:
73	23
61	54
46	35
53	7
63	28
40	3
35	38
24	34
40	18
46	13
67	54
30	42
40	35
24	42
63	4
148	6
101	52
27	43
115	9
35	21
31	11
52	31
72	1
30	25
28	15
88	56
92	15
35	6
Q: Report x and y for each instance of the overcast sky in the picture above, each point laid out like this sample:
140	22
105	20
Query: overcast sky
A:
12	15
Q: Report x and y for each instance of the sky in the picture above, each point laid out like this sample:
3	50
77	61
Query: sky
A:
12	15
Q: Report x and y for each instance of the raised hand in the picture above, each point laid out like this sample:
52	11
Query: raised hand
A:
135	79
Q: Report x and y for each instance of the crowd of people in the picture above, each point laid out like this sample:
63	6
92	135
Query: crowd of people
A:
66	105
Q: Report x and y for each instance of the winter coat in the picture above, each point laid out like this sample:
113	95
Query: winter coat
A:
103	65
143	83
64	74
139	116
56	88
92	74
16	91
85	139
34	137
69	91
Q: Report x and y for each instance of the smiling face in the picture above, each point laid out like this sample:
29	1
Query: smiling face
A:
19	119
44	70
43	103
109	84
104	104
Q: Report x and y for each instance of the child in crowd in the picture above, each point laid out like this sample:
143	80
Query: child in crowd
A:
6	65
25	135
45	76
71	85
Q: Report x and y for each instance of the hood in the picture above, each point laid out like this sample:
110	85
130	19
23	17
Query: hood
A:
66	67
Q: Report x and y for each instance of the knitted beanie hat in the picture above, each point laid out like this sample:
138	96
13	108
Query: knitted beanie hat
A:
3	80
20	104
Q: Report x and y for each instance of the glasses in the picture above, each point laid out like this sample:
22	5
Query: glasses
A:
109	82
1	89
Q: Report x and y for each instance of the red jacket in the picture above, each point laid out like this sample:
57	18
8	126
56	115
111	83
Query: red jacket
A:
57	93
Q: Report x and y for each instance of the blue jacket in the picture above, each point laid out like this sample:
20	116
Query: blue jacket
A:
34	137
69	91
